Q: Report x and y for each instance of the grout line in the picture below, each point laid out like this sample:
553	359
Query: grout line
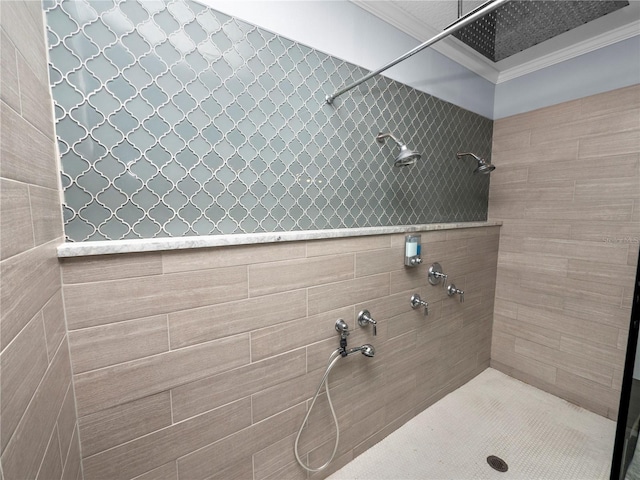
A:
168	333
17	70
26	325
164	353
33	227
75	435
62	458
248	282
253	466
173	422
46	341
31	400
53	432
73	378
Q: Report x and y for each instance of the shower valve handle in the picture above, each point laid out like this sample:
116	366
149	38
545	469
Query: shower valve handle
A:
417	302
364	318
435	275
452	290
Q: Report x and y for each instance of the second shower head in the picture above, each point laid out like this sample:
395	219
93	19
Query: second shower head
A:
483	166
406	156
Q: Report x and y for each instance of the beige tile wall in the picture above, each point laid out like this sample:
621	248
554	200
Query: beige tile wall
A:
567	188
200	364
38	432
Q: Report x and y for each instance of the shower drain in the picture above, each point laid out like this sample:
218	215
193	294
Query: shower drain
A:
497	463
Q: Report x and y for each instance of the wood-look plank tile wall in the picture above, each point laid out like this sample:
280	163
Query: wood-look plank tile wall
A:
567	187
201	364
38	432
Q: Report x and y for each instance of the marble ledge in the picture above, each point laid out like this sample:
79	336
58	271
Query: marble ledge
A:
110	247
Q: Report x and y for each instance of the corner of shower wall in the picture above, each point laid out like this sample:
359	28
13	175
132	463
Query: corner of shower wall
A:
566	189
39	431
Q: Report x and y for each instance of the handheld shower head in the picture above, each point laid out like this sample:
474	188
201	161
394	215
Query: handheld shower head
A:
406	156
483	166
367	350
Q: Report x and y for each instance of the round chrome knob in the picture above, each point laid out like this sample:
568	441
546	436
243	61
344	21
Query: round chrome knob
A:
364	319
417	302
452	290
435	275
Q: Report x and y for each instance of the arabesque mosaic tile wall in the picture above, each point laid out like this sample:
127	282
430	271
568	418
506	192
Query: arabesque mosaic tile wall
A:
174	119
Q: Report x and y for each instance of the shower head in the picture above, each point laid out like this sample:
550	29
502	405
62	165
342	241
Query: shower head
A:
517	25
483	166
406	156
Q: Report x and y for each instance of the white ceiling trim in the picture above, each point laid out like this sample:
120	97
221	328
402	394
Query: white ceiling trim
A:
469	58
600	41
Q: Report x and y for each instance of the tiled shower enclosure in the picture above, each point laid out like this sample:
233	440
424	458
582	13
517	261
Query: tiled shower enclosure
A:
174	119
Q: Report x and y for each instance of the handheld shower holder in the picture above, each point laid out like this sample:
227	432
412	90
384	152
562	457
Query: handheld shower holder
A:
343	329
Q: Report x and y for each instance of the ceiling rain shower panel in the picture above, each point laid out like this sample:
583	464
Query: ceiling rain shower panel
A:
518	25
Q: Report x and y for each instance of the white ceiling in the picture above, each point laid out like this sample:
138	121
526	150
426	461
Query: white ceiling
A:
422	19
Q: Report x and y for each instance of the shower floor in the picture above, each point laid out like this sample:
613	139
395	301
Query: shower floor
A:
540	436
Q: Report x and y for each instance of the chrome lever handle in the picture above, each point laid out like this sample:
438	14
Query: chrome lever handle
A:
452	290
435	275
364	319
417	302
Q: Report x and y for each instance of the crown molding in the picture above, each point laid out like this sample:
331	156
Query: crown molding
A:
397	17
595	43
495	72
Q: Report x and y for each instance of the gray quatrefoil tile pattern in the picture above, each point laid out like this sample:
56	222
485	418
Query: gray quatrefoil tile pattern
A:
174	119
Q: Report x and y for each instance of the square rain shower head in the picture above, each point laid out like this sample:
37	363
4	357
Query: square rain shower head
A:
520	24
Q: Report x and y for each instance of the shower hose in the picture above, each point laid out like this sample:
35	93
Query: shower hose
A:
333	358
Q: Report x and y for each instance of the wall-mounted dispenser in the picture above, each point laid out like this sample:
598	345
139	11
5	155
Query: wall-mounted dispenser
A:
412	249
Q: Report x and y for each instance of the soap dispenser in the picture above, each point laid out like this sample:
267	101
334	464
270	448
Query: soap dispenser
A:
412	250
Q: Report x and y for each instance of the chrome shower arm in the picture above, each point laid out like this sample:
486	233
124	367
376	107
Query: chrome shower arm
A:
484	166
381	136
463	22
460	155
